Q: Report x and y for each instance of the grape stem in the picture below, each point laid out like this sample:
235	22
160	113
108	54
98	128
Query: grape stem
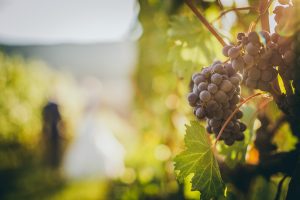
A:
264	15
233	113
233	9
205	22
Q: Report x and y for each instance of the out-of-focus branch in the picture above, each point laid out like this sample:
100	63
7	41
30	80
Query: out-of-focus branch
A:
264	13
205	22
233	9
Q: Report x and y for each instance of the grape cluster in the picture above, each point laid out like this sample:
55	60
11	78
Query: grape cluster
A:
215	95
255	59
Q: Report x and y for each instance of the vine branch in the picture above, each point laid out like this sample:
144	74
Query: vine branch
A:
264	13
205	22
233	9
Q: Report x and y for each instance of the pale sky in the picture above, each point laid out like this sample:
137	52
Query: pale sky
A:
66	21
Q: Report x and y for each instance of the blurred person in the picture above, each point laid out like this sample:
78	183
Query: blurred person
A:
52	134
95	152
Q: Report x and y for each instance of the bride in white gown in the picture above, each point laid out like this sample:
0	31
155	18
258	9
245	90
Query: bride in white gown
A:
95	152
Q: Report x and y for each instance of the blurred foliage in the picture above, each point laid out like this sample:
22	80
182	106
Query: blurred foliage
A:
192	45
24	90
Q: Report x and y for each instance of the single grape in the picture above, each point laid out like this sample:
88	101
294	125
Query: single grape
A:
212	106
220	96
219	69
242	126
274	36
192	99
252	49
215	123
226	85
254	74
206	72
202	86
240	36
239	136
238	64
253	37
233	52
226	49
248	59
218	114
239	76
198	79
216	79
212	88
229	141
205	96
209	129
234	80
251	83
200	113
267	54
216	130
235	99
229	69
225	135
289	57
239	114
195	75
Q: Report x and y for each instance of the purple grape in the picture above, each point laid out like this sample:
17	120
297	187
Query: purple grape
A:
216	79
205	96
192	99
202	86
226	85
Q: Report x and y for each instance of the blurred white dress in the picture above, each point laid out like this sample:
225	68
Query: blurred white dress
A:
95	152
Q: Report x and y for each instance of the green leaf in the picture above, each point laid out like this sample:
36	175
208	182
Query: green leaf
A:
198	159
191	46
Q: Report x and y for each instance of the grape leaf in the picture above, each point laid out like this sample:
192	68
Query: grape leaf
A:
191	45
198	159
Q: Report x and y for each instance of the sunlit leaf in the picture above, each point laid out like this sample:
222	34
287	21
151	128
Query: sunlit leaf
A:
198	159
192	46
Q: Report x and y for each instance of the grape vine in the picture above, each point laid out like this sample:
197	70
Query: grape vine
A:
256	60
